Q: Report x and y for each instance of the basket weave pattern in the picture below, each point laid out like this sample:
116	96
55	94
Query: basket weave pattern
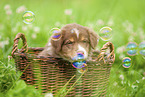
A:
51	74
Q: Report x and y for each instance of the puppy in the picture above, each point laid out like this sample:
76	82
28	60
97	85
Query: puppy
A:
75	39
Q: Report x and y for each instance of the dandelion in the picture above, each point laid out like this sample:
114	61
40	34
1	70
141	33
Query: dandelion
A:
7	7
121	77
20	9
100	22
48	95
36	29
68	11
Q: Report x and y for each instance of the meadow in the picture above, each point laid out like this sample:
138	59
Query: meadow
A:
125	17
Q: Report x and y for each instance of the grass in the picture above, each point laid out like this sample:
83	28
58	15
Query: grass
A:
125	17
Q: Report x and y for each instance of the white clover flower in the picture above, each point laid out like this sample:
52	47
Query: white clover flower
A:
132	72
48	95
100	22
128	84
121	77
20	9
30	26
9	58
57	24
137	81
122	82
6	42
131	39
7	7
143	78
120	49
68	11
90	25
110	22
24	28
128	26
141	33
36	29
1	26
18	24
62	25
9	12
0	37
14	29
2	44
34	36
144	73
121	56
115	83
134	86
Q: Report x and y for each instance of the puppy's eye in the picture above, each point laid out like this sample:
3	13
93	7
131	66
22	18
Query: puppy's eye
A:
69	42
84	41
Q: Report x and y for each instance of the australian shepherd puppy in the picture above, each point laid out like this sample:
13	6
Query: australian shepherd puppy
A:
75	39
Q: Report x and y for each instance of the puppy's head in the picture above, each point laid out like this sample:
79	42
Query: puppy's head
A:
75	39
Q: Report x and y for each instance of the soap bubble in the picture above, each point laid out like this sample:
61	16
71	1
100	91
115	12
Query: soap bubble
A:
78	60
105	33
126	62
56	34
78	64
28	17
131	48
72	31
83	69
78	57
142	48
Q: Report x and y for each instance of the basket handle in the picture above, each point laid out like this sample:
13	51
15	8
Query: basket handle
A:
15	46
110	56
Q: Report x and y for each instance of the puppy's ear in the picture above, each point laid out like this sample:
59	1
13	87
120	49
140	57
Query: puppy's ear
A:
57	40
93	37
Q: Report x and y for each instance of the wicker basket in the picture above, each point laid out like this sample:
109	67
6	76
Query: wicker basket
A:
50	74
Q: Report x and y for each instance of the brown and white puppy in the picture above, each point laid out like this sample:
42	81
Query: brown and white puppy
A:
75	38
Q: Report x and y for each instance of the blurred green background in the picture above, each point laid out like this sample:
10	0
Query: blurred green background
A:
125	17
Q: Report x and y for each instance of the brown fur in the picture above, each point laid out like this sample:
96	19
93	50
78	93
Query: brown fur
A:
67	46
